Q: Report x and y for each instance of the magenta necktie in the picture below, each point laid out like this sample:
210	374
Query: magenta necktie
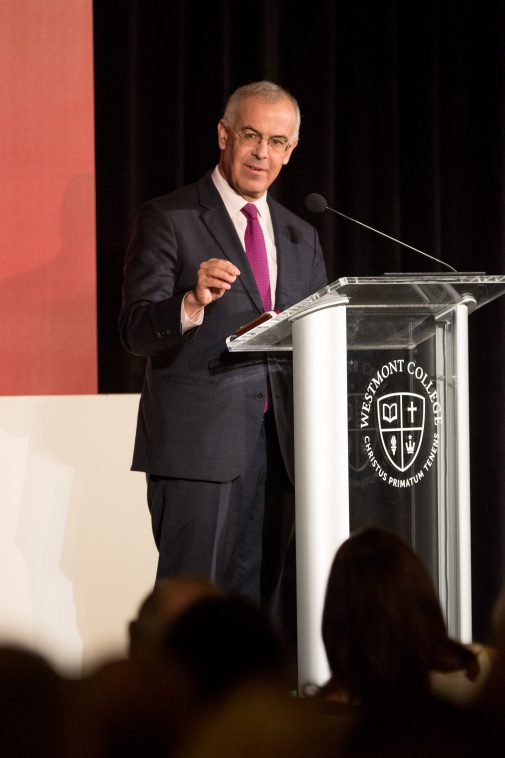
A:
257	254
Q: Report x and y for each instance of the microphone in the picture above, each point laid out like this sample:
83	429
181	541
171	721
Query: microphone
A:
317	204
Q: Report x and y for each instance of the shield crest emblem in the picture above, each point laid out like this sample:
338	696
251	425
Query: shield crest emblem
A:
401	426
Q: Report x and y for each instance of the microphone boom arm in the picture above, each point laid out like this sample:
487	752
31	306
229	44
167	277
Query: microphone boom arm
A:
392	238
317	204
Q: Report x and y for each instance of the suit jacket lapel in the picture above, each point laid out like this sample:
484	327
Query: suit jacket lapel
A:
282	246
220	226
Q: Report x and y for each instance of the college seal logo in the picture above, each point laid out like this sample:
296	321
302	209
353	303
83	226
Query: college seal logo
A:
398	427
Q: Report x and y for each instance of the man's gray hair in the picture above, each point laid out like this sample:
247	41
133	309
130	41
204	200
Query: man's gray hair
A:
264	90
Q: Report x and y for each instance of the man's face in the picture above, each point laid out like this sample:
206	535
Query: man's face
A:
251	169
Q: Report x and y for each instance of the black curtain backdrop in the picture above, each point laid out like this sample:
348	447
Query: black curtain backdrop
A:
403	128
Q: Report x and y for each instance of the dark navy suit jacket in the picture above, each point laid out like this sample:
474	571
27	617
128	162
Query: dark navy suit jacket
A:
201	406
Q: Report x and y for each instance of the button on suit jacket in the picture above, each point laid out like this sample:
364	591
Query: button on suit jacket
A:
201	406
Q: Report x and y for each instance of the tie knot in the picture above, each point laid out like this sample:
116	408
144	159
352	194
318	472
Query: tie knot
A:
250	210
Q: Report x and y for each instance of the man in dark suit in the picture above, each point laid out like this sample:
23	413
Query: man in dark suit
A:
214	431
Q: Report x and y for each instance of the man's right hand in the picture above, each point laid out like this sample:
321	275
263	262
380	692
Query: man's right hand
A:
215	277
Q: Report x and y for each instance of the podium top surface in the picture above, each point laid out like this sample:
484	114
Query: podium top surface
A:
389	297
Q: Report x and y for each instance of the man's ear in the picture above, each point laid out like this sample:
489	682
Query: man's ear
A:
222	135
287	154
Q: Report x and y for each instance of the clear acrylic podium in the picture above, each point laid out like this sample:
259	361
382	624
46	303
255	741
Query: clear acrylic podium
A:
381	429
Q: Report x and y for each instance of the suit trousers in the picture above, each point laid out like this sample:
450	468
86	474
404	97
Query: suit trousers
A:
240	534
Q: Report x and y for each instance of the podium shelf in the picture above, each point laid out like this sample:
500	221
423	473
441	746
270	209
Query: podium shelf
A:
399	307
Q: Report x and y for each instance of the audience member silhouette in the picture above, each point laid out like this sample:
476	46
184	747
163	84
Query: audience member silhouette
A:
169	598
206	676
131	709
433	728
491	699
384	632
190	644
256	719
32	705
225	641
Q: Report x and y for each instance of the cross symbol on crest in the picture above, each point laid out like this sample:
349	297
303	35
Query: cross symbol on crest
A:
412	409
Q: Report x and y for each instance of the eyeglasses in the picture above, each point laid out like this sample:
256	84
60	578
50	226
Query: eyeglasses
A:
252	138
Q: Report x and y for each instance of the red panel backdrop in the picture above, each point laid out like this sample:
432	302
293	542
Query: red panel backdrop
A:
47	199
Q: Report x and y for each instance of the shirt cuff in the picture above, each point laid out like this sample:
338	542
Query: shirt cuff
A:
188	323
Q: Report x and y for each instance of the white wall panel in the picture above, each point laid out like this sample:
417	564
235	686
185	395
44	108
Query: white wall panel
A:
76	549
